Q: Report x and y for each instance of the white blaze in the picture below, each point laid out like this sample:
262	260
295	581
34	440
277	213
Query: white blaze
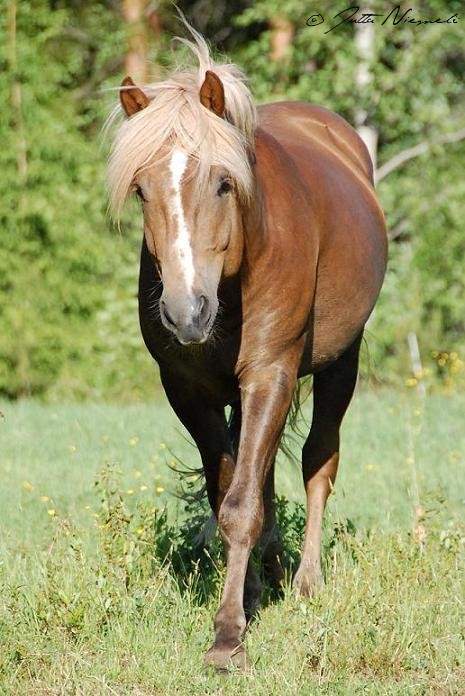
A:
182	243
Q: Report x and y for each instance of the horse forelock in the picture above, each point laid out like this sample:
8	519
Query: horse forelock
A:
176	120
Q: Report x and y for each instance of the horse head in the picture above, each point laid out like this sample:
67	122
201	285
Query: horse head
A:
193	189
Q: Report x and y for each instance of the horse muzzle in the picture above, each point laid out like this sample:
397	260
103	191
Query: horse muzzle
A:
191	321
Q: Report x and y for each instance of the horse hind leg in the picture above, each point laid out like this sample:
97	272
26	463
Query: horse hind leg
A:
332	392
271	546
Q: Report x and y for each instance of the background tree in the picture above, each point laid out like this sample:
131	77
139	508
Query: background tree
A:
68	279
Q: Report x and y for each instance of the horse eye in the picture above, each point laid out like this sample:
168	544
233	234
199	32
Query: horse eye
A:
225	187
140	193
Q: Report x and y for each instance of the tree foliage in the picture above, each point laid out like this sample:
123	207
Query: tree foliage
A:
68	279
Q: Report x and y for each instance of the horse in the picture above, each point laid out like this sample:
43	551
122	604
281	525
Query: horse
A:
263	254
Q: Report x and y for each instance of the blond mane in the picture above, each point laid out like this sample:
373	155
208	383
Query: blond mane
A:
176	118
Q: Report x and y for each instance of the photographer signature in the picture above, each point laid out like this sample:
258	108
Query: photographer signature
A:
396	15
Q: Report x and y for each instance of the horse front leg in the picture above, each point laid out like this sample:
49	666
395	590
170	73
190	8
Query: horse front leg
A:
217	447
265	399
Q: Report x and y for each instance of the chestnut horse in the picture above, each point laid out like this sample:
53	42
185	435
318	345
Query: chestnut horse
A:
263	254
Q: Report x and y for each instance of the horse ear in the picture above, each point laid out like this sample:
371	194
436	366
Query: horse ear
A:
212	93
134	99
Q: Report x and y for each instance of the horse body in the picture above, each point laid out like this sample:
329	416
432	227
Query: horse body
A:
266	245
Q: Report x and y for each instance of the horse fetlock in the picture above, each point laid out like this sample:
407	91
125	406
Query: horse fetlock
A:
229	626
227	649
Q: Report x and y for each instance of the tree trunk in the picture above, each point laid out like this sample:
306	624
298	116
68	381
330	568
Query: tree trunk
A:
18	123
365	48
282	34
136	54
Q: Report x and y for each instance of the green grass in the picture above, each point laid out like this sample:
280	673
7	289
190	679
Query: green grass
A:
90	605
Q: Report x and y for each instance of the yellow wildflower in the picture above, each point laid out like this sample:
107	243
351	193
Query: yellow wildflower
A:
51	512
27	485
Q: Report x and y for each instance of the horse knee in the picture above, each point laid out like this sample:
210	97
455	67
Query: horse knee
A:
240	519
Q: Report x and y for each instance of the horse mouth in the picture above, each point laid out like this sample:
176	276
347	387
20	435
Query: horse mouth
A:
199	342
194	336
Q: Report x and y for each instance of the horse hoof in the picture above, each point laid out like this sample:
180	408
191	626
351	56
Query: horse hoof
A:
224	659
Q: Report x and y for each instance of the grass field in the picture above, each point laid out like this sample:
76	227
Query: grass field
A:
92	604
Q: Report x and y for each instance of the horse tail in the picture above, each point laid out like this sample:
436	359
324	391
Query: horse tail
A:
296	428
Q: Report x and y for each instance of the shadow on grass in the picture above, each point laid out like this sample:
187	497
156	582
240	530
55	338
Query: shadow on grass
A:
141	540
198	564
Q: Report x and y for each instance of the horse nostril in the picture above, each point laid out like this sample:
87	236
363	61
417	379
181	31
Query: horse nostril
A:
169	320
203	311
